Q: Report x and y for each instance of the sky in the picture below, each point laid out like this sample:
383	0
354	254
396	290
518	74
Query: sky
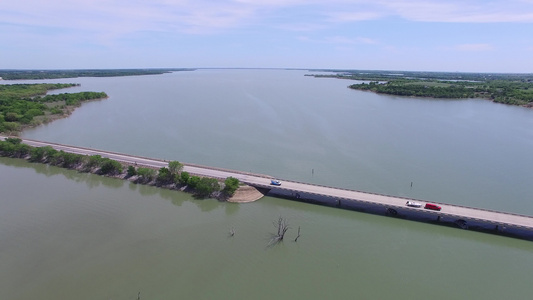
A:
409	35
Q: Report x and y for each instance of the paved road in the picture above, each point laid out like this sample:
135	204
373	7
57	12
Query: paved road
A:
258	180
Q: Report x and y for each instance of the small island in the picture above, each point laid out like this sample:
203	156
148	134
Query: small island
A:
512	89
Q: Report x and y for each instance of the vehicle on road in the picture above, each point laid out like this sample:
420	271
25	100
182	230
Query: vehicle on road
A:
275	182
432	206
413	204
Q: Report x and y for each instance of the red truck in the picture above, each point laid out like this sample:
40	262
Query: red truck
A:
432	206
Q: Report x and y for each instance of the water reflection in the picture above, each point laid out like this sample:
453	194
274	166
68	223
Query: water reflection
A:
153	239
146	190
232	208
92	181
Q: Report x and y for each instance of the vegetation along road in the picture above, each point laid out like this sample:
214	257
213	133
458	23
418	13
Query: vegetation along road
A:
263	181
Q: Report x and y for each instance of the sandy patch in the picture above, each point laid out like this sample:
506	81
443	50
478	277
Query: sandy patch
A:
246	193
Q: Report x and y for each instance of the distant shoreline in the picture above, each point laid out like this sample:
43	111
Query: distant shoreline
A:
510	89
75	73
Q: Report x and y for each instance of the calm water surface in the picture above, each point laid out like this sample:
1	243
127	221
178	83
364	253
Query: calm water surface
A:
67	235
285	124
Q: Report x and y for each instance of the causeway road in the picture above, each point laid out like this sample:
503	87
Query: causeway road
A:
263	181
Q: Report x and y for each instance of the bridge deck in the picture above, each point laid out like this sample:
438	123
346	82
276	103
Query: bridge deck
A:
258	180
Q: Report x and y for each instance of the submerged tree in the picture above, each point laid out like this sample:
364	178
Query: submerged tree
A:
282	226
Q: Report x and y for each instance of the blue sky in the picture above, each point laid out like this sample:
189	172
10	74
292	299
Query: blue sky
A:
430	35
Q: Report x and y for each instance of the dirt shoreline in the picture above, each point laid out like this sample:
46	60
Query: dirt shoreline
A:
247	193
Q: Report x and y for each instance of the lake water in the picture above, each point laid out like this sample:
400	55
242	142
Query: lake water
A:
67	235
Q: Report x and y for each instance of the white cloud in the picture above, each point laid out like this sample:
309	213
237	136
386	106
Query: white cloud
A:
354	16
340	40
347	40
300	27
203	16
474	47
464	11
124	16
467	11
227	12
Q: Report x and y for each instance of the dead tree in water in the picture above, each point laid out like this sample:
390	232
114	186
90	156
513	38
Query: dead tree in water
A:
296	239
282	227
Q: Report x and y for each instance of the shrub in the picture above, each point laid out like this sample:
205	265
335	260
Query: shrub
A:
146	173
95	161
37	154
66	159
164	176
206	186
11	126
184	178
231	184
131	171
110	166
14	141
193	181
175	167
49	153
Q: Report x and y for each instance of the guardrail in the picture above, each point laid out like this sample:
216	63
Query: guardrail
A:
400	197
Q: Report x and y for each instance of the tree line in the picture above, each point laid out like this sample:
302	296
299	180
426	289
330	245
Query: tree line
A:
54	74
416	90
172	176
501	91
373	75
513	89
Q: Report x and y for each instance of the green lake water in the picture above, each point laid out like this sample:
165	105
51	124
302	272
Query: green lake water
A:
67	235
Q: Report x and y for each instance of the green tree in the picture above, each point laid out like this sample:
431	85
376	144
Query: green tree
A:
146	174
111	167
37	154
193	181
184	178
49	153
12	117
10	126
131	171
29	114
94	161
67	160
206	186
231	184
164	176
175	167
14	141
23	150
7	149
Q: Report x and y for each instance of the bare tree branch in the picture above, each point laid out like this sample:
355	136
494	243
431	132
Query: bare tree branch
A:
282	227
296	239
